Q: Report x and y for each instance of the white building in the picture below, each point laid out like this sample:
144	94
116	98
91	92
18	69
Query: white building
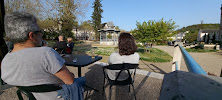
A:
211	32
83	34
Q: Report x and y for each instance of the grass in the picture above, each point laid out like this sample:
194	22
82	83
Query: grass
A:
199	49
155	55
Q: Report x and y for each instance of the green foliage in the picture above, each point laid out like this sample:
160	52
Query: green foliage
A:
67	16
96	17
193	31
204	37
155	55
200	49
199	26
154	31
139	45
191	36
109	36
214	39
208	38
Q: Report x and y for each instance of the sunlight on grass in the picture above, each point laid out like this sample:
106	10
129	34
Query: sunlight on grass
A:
155	55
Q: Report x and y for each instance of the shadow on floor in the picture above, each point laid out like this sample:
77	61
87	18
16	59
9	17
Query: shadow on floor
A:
154	68
95	79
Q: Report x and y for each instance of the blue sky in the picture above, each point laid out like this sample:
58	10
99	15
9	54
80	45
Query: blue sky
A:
125	13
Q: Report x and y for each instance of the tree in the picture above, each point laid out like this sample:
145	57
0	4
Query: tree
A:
204	37
208	38
214	39
87	27
154	31
96	17
191	36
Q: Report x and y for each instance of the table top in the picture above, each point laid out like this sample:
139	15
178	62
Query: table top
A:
81	60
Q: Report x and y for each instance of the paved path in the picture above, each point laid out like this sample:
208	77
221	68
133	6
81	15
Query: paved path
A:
210	61
147	85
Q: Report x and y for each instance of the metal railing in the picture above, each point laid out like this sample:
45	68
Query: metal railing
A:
191	64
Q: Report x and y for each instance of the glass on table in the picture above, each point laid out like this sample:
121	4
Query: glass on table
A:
93	53
74	60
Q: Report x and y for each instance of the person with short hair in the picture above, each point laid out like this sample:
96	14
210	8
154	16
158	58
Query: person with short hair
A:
61	45
28	63
70	45
127	52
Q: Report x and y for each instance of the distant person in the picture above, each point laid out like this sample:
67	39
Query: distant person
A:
28	63
70	45
127	53
61	45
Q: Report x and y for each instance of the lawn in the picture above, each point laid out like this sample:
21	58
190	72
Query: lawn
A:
155	54
199	49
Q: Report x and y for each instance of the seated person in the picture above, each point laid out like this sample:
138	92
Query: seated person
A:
70	45
29	64
127	54
61	45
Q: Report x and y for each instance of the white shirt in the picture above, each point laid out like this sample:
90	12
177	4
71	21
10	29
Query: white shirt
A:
116	58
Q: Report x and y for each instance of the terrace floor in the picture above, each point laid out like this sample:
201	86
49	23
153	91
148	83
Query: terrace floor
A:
147	85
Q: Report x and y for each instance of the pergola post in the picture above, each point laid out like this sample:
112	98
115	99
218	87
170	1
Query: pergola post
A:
100	36
106	35
114	38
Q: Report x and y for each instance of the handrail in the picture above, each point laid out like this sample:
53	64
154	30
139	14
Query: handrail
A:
176	64
192	65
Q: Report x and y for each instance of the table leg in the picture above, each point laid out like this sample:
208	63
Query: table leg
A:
79	72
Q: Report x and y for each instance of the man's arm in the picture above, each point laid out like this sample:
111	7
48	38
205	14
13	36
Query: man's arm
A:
65	75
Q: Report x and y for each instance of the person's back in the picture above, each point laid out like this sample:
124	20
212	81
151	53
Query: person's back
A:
70	44
61	45
127	54
36	61
29	64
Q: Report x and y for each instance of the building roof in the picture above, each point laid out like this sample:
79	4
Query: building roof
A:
109	30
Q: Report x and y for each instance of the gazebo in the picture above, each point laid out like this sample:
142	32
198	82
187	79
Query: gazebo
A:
109	36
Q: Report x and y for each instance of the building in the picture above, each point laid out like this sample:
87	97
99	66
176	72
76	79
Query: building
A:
83	34
109	34
210	32
179	36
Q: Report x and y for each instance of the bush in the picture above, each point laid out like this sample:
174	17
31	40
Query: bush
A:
139	45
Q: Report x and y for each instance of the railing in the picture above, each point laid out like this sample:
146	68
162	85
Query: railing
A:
191	64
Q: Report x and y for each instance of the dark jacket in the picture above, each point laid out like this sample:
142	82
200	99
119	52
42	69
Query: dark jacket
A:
61	47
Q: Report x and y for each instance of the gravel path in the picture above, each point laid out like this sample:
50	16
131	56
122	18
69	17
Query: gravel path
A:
210	61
